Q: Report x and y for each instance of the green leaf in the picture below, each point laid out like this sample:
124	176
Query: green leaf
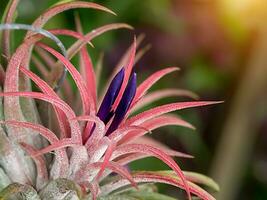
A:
195	178
202	179
17	191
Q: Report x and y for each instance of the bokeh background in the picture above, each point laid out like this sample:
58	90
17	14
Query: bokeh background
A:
221	48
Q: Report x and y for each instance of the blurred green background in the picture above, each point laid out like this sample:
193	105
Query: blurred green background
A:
221	48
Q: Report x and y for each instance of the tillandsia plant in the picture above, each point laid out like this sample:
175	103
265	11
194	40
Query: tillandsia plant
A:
55	144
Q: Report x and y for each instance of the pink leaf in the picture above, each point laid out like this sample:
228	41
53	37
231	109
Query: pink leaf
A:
128	70
76	47
97	134
146	149
159	94
12	106
87	63
42	175
122	171
89	73
90	83
150	81
49	91
122	62
75	129
152	142
155	177
154	112
87	99
66	142
107	157
60	166
155	123
61	156
113	166
126	55
97	150
46	133
121	132
67	32
40	21
8	19
125	160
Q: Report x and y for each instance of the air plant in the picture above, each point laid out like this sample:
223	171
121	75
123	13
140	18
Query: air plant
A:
55	144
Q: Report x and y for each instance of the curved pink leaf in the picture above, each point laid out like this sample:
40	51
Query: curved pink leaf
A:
160	94
146	149
105	162
46	133
97	134
67	32
128	70
8	19
87	99
87	68
126	55
97	150
125	160
75	129
154	112
87	63
63	143
121	132
76	47
49	91
89	73
113	166
51	12
42	174
122	62
165	120
61	156
152	142
150	81
154	177
12	105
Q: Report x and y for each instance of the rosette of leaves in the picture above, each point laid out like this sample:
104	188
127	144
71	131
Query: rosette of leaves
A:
55	144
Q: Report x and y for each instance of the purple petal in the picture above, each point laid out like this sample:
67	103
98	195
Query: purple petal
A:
104	111
124	104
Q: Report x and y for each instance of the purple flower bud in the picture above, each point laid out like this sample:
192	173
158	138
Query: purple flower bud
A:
104	112
124	104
